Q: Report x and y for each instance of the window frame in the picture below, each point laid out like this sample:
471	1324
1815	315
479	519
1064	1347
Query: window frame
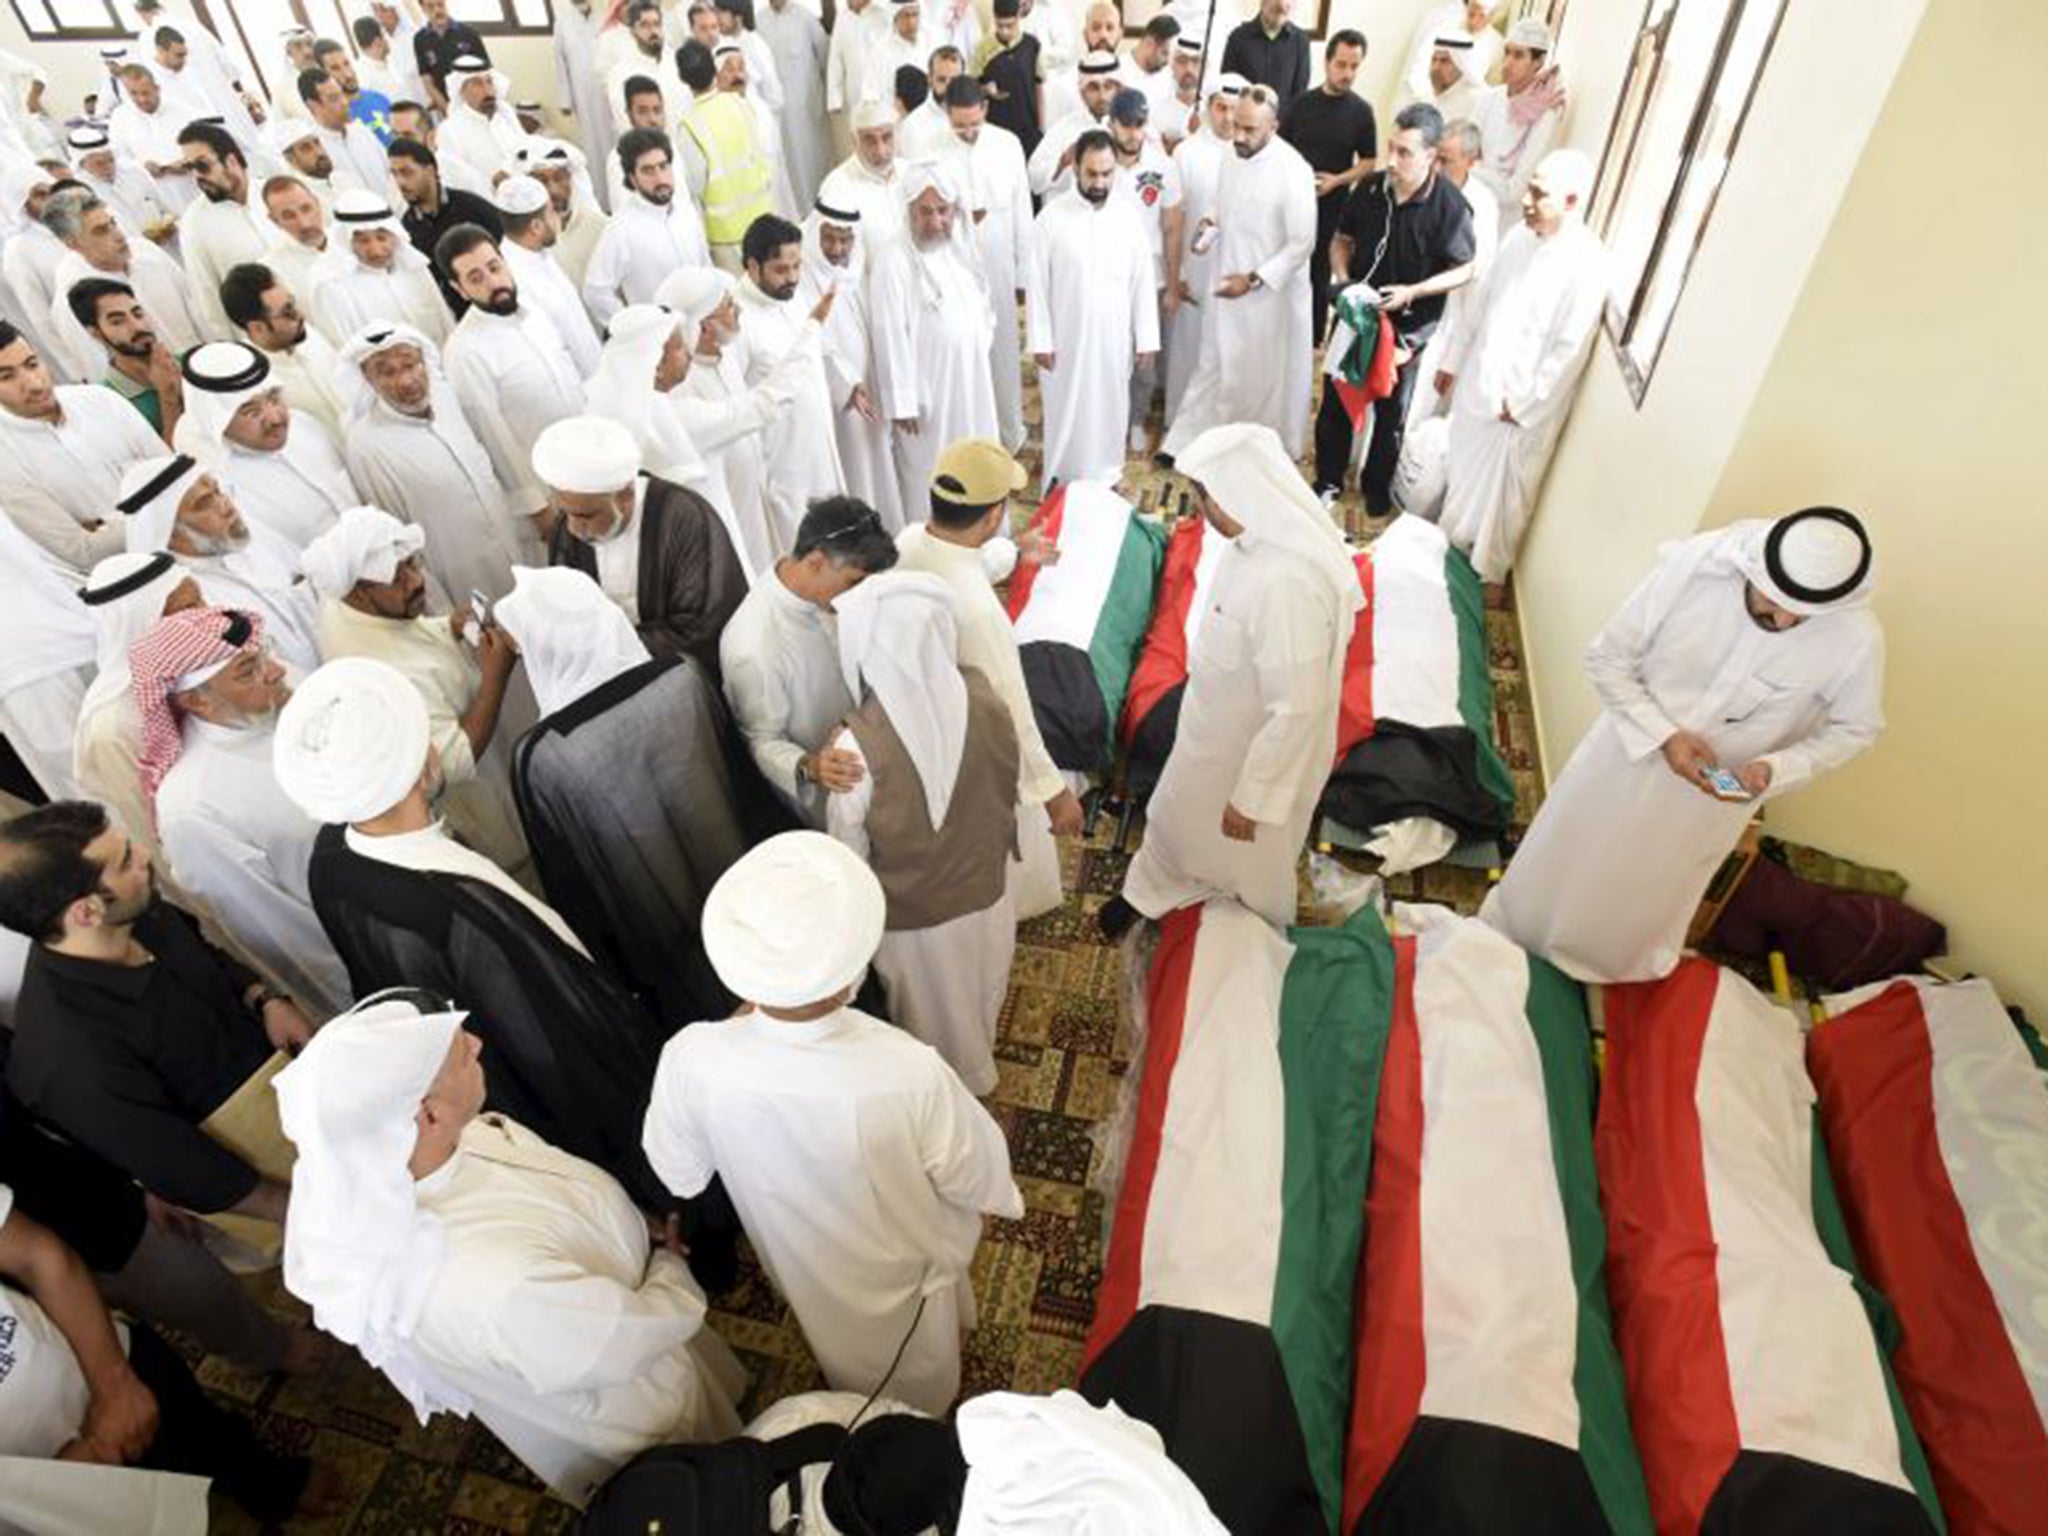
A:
116	30
1136	29
508	26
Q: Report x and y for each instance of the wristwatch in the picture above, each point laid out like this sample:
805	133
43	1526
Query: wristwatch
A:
1256	281
265	996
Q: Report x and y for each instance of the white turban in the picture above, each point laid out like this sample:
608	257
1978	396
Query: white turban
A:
586	456
693	293
220	378
1052	1466
1815	561
519	195
794	922
621	389
151	490
351	741
571	637
897	634
1251	477
357	1248
365	544
379	336
874	113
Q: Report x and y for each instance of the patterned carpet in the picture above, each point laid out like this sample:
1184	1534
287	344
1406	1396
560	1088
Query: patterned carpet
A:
1035	1279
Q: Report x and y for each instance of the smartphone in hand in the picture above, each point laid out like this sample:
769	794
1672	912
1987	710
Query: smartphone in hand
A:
1724	784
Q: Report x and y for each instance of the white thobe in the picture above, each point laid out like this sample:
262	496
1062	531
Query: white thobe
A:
933	327
1524	352
676	100
1509	152
802	456
798	45
159	282
582	227
241	846
988	643
1199	158
1255	349
579	82
860	1167
641	246
151	138
764	80
1447	20
1616	862
309	375
433	472
577	1347
729	421
999	187
133	196
263	577
864	454
293	264
29	258
949	24
213	73
778	658
358	158
515	379
1258	729
1091	306
854	36
298	490
853	188
483	142
56	480
348	296
47	650
1047	174
211	238
1462	308
925	133
946	983
543	283
886	54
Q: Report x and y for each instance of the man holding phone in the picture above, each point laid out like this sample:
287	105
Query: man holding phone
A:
1745	665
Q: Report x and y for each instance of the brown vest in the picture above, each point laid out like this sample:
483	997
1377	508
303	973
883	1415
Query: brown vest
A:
931	877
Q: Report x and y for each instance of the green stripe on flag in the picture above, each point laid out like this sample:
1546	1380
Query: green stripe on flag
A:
1475	680
1126	615
1335	1012
1556	1010
1884	1323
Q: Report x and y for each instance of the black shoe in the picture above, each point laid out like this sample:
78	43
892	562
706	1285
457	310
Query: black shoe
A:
1116	918
1163	459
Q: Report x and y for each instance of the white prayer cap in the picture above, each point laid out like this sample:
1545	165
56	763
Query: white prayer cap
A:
1566	173
572	638
357	1247
794	922
365	544
898	635
86	138
150	492
693	293
1099	61
586	456
222	377
1046	1466
1251	476
351	741
519	195
1531	33
125	595
1811	561
283	132
874	114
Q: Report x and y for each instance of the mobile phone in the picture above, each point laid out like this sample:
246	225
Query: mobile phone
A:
1725	784
480	606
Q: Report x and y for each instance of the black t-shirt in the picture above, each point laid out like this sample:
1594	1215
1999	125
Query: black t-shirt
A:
1014	72
434	51
426	229
1395	242
1331	133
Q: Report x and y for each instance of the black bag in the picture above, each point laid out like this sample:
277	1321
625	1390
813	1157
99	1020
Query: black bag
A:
709	1490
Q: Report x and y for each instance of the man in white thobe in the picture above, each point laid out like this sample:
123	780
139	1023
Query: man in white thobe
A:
642	55
869	181
532	231
358	158
47	649
301	236
302	363
652	231
144	128
992	166
1462	28
937	791
510	368
411	451
1513	371
798	46
479	129
29	253
1256	341
901	45
923	133
537	1298
580	82
932	328
1258	722
63	448
280	465
122	185
98	247
1457	153
231	838
856	28
1052	162
1519	119
374	272
779	654
835	262
858	1162
551	163
645	357
802	453
219	230
1092	315
1199	158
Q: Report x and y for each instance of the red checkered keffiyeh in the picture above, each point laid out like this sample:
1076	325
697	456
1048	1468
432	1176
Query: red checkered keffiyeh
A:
174	654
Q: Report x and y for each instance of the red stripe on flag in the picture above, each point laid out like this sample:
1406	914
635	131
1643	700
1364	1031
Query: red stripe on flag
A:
1163	663
1661	1254
1166	1013
1046	522
1874	1069
1391	1359
1354	704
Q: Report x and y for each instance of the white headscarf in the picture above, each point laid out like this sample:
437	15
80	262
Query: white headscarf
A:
1053	1466
920	177
380	336
365	544
1814	561
795	921
240	373
1249	475
18	178
586	456
822	272
693	293
571	637
124	597
898	635
357	1247
150	492
351	741
44	630
621	389
356	210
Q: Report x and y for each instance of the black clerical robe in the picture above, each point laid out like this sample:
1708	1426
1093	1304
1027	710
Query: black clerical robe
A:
567	1051
690	581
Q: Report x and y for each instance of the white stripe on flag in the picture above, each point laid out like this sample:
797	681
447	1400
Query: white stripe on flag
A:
1212	1233
1067	596
1414	632
1802	1361
1499	1304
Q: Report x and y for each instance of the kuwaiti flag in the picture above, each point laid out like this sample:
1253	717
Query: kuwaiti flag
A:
1152	704
1936	1113
1489	1393
1081	620
1415	730
1761	1401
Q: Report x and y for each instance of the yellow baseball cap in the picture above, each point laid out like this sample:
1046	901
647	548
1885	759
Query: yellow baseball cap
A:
976	472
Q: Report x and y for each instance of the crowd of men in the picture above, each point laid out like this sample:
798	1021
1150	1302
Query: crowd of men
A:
508	630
